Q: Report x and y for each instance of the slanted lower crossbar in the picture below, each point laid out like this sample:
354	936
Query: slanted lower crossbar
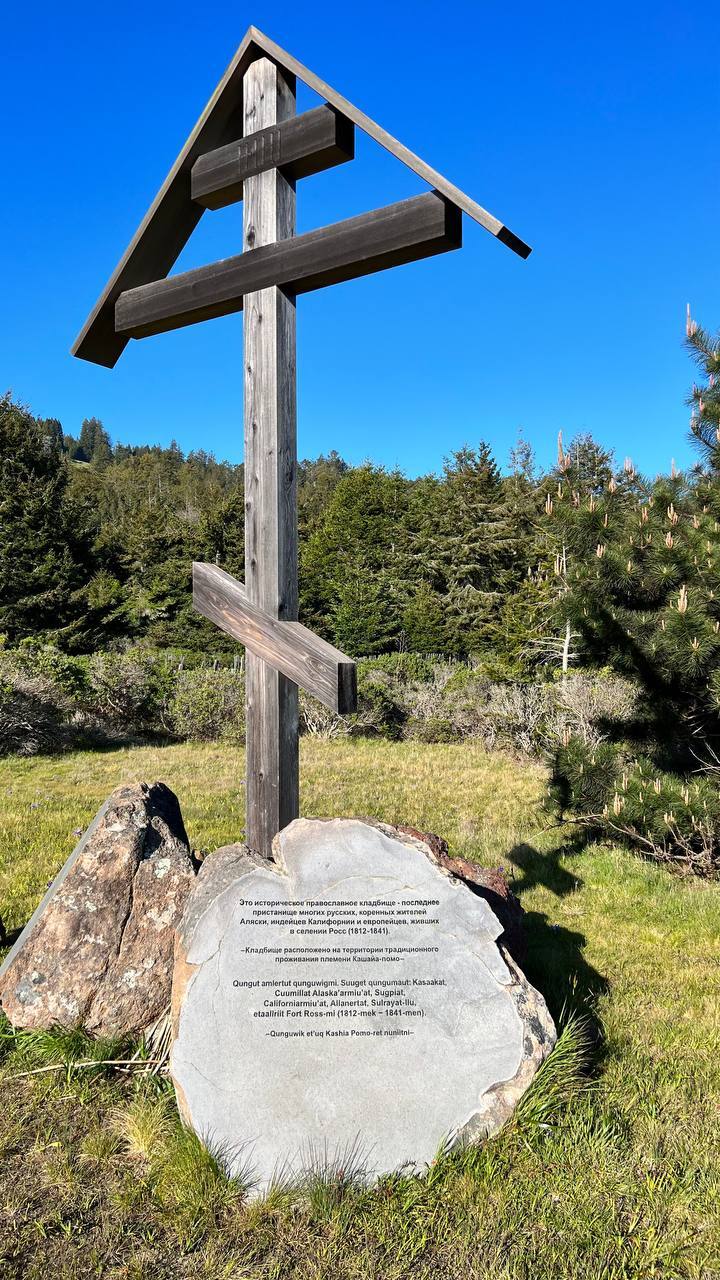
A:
289	647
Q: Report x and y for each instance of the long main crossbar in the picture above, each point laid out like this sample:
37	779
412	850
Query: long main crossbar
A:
403	232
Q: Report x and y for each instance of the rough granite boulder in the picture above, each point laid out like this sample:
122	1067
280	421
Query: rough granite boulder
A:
349	1002
98	951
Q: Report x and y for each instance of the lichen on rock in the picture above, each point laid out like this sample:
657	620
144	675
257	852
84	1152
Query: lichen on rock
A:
98	951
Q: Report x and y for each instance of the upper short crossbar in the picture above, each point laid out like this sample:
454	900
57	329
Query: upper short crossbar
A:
300	146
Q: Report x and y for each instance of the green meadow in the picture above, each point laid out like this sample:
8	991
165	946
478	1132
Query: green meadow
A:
609	1169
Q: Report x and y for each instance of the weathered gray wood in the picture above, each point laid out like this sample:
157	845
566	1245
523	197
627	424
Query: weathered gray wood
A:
300	146
289	647
399	233
386	140
173	214
171	218
270	412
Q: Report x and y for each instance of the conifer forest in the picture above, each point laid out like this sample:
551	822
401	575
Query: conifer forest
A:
572	614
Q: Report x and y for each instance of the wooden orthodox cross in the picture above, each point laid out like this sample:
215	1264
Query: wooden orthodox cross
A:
250	145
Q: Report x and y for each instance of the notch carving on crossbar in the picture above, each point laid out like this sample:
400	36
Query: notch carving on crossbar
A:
301	146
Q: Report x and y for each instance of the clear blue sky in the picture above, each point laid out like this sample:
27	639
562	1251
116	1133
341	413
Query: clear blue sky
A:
588	129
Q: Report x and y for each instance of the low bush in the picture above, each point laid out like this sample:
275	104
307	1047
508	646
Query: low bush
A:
44	662
319	721
532	718
407	666
613	795
431	729
41	693
208	704
131	690
380	704
34	714
515	715
50	699
589	707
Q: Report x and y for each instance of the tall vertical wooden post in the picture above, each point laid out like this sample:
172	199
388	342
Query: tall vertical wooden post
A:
270	411
214	168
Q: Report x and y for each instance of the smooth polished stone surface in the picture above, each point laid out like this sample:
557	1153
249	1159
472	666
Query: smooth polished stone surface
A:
345	1006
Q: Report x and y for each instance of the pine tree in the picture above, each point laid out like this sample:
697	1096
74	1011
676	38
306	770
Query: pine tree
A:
705	399
86	442
522	460
360	537
642	591
94	443
317	481
42	567
53	429
363	616
470	539
424	621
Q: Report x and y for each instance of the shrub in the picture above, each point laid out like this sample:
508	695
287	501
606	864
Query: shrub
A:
435	706
464	703
427	698
458	702
208	705
318	721
432	729
588	707
380	707
535	718
44	661
131	690
516	712
528	717
405	666
34	714
660	814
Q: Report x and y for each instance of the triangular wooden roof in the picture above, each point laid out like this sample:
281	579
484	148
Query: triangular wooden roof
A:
173	215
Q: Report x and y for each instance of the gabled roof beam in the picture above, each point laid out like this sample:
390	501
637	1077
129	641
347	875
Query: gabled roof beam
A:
173	215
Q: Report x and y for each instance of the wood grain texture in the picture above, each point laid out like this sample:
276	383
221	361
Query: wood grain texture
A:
300	146
270	415
404	232
397	149
173	214
288	647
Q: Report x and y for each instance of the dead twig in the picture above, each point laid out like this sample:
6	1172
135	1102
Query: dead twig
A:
127	1064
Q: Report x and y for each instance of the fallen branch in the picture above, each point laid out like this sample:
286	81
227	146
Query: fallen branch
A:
128	1064
675	850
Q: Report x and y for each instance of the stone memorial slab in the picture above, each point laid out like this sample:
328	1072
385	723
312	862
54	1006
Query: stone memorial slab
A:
98	951
348	1001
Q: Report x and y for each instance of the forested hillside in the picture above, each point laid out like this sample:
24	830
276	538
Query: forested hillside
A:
97	543
492	589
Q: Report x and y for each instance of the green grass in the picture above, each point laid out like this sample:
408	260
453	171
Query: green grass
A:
609	1169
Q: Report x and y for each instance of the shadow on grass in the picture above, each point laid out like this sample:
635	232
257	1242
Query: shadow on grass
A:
556	962
541	869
